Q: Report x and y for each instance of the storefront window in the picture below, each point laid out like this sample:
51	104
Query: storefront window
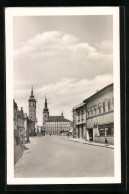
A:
102	132
106	130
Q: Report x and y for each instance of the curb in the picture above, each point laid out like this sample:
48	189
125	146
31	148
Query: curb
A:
18	157
91	144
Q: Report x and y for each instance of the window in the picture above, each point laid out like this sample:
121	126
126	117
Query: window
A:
109	105
106	130
99	107
92	111
95	111
103	106
78	116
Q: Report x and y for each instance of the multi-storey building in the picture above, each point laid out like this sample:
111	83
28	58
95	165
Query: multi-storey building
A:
100	115
15	109
20	125
94	118
54	124
29	126
79	120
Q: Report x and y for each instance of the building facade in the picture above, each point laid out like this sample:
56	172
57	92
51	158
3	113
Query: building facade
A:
29	126
79	120
54	124
20	125
15	109
94	118
100	115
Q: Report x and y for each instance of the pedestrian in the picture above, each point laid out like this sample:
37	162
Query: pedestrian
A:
28	141
106	142
68	134
90	139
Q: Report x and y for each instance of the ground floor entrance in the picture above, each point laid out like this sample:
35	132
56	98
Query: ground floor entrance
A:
90	134
80	131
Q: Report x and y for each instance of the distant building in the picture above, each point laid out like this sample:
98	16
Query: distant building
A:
32	111
54	124
79	123
100	115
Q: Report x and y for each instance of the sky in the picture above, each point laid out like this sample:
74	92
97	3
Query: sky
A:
65	58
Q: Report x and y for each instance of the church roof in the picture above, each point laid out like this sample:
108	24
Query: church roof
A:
57	119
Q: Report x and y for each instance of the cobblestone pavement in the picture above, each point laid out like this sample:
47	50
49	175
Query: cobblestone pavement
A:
55	156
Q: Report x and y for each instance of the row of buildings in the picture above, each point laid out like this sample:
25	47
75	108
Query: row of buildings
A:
94	117
24	126
55	124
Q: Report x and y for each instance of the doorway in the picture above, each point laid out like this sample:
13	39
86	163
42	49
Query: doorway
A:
91	134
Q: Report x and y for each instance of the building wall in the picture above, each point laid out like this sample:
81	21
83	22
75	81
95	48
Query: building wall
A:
100	119
15	119
100	116
79	120
96	104
57	127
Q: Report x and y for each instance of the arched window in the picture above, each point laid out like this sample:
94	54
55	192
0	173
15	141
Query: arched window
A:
109	105
99	107
104	106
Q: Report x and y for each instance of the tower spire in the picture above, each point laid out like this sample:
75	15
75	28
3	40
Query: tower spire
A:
32	91
45	103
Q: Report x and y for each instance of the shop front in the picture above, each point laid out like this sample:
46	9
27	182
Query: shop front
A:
105	131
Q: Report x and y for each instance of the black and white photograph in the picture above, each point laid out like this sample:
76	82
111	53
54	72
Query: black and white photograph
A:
63	95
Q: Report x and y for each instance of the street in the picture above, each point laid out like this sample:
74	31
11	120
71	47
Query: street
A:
55	156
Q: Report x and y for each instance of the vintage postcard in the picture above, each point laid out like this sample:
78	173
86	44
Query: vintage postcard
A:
63	95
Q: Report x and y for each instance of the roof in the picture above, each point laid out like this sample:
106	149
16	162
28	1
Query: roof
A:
57	119
99	92
20	113
79	105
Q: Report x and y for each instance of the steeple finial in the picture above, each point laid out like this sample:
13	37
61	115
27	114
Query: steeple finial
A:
62	114
32	91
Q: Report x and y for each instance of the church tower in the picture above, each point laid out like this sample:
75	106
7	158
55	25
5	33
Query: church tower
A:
45	113
32	107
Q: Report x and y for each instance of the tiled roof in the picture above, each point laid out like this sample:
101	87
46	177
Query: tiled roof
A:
57	119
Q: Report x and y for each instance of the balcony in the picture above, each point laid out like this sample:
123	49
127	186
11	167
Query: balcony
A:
80	121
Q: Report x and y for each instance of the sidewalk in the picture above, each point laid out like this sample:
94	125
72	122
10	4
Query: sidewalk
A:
89	143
